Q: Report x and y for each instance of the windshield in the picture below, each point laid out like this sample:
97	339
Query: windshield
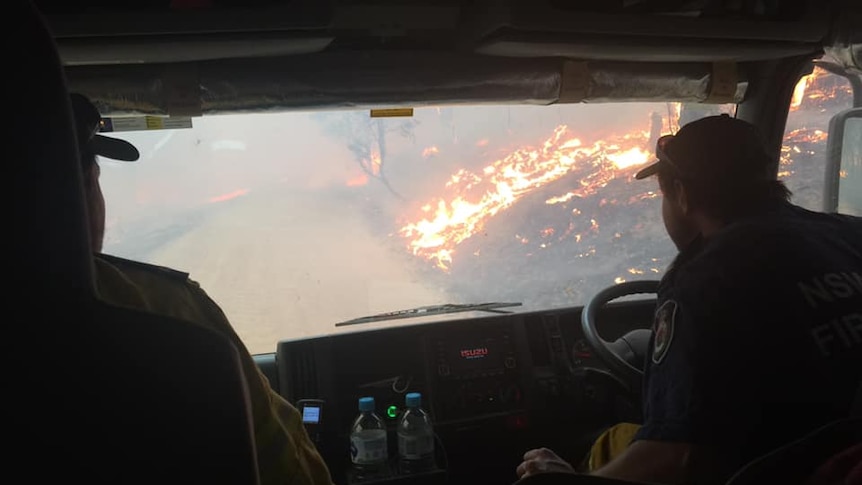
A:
296	221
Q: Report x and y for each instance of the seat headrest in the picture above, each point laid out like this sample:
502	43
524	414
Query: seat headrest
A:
49	225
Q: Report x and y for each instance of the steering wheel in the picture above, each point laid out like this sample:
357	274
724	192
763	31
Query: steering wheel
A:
626	355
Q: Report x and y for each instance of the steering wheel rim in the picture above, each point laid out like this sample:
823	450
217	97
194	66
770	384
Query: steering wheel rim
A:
588	323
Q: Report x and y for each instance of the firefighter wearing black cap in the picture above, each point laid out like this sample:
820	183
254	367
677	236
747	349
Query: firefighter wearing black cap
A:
757	337
285	453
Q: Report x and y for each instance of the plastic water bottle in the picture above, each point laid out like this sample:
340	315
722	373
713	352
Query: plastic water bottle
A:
368	445
415	437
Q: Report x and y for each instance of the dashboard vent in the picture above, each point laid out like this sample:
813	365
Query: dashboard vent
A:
537	339
302	368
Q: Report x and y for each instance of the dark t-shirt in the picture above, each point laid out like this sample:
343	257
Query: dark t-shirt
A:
757	337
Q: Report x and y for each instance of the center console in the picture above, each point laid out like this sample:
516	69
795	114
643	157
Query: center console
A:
475	373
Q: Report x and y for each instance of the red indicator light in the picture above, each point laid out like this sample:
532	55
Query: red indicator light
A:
516	422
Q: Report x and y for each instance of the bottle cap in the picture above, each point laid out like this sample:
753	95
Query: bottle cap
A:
366	404
413	400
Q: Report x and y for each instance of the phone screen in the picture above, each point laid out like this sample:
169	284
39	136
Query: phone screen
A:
311	414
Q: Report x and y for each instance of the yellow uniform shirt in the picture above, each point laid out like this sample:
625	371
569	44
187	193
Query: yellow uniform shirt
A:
610	445
286	455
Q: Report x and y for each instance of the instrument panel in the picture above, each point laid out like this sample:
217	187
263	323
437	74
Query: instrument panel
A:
494	383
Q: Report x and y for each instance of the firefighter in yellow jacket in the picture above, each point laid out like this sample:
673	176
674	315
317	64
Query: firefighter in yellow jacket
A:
285	453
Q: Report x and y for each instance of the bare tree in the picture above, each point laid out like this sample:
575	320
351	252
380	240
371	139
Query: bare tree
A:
366	140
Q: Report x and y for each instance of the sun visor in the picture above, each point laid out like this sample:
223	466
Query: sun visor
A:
713	83
393	79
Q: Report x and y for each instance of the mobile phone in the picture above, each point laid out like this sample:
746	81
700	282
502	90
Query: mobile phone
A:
312	414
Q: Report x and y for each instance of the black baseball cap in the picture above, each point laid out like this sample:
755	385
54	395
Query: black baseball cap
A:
88	122
714	148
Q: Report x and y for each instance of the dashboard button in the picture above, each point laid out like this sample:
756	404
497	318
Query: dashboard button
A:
443	369
510	362
557	344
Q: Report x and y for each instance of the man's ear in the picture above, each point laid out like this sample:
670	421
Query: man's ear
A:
681	196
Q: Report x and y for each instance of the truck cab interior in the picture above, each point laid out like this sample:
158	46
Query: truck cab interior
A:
385	197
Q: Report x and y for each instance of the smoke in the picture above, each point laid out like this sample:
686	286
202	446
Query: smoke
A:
366	138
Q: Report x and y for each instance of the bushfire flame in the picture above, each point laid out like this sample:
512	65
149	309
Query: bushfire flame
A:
629	158
475	197
818	88
799	93
430	152
812	93
358	181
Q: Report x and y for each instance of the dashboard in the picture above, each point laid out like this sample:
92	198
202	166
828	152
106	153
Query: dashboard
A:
495	387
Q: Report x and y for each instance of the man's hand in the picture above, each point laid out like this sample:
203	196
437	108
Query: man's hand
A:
542	460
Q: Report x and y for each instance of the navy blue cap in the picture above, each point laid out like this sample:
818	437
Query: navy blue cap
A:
714	148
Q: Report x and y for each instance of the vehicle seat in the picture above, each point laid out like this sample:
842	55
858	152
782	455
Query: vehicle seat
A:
94	393
795	463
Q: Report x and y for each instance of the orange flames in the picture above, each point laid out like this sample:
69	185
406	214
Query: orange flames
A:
430	152
376	162
472	198
370	167
799	92
358	181
817	88
797	142
811	94
228	196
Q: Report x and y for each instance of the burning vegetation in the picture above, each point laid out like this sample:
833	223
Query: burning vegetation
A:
471	198
817	97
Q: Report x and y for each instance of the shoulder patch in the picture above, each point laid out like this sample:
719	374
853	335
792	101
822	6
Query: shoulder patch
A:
663	330
128	263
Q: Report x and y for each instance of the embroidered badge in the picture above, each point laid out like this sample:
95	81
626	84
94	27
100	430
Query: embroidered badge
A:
663	329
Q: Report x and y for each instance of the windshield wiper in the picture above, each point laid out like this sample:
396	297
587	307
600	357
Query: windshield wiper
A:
493	307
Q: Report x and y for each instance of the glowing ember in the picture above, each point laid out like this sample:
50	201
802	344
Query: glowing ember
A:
430	152
375	162
796	138
561	199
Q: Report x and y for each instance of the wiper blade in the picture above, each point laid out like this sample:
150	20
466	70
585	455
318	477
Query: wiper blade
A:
493	307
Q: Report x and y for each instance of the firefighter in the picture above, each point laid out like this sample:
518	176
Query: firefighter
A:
285	454
757	336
